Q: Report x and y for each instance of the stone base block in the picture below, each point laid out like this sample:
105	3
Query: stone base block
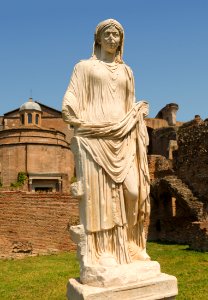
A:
119	275
161	287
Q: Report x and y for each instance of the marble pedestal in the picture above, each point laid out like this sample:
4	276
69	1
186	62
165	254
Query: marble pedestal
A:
140	280
163	286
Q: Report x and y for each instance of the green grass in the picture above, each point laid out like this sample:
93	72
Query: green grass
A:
42	277
190	268
45	277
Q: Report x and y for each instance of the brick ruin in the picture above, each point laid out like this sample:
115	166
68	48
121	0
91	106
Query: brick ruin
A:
179	184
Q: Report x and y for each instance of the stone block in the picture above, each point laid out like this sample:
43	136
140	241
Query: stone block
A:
162	286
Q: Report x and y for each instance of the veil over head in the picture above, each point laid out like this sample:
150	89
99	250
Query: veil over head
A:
99	29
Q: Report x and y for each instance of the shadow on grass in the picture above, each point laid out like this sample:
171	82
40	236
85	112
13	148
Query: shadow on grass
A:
186	247
160	242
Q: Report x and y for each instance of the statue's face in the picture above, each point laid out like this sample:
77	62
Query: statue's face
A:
110	39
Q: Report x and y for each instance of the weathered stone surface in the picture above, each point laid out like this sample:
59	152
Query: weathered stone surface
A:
177	215
168	113
174	186
159	166
160	140
120	275
114	274
161	287
112	185
22	247
191	159
32	224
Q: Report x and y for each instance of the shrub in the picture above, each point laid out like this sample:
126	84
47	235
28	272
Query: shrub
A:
73	179
21	178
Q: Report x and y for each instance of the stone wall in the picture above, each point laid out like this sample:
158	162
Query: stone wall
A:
173	211
155	123
161	140
36	223
179	184
159	166
200	233
191	159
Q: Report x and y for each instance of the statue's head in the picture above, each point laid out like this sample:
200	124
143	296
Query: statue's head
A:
100	29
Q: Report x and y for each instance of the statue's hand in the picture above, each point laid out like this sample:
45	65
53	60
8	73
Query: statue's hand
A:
145	108
70	119
144	105
74	122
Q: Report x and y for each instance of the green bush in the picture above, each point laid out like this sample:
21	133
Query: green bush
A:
73	179
21	178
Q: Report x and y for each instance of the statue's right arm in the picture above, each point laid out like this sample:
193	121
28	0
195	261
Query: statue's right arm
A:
68	114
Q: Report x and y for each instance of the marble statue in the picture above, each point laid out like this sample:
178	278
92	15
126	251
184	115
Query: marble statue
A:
112	138
109	145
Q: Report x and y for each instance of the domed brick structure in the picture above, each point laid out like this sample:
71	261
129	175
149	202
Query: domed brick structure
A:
35	141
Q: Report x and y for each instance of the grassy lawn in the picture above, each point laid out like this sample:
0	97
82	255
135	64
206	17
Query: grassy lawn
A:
190	268
42	277
45	277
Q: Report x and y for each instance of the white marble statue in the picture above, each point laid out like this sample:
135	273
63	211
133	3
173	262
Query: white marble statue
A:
109	144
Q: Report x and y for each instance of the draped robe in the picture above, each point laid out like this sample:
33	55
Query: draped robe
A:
111	138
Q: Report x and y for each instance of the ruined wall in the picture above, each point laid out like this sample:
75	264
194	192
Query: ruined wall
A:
36	223
155	123
181	230
177	215
161	138
200	232
159	166
174	209
191	159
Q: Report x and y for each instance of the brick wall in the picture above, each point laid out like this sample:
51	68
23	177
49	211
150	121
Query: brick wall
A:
58	124
191	159
156	123
176	215
160	140
179	189
159	166
34	151
36	223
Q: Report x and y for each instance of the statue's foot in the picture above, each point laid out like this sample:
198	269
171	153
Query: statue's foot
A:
107	260
137	253
142	255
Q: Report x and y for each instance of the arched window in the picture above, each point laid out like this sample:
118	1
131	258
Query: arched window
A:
22	119
29	118
36	119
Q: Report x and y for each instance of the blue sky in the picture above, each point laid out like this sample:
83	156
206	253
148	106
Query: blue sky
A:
166	45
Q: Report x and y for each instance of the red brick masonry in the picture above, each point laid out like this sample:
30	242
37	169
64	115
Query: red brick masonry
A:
35	223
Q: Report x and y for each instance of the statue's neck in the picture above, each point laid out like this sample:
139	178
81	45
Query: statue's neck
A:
107	56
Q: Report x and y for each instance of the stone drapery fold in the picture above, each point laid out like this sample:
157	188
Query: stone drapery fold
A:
112	138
